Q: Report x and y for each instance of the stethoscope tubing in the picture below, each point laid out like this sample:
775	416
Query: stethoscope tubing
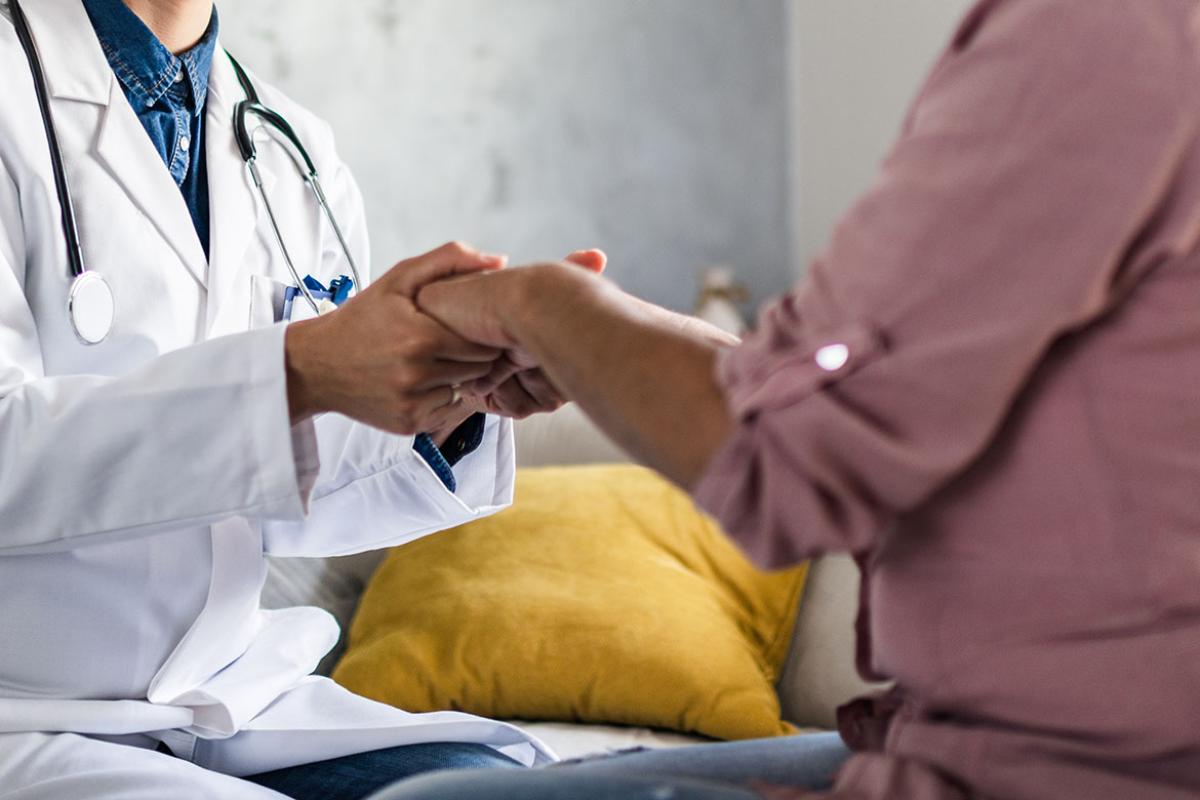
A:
272	119
62	188
81	277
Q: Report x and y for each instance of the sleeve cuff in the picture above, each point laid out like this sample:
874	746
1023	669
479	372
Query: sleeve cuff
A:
307	455
425	447
288	454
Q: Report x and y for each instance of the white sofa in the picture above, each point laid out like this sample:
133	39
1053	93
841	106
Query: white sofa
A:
819	674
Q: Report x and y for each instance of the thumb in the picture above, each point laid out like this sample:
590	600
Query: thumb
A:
456	258
592	260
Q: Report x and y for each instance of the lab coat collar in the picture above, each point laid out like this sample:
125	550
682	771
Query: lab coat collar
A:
75	66
77	70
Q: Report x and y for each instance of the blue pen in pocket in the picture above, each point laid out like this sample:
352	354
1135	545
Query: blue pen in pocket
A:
337	293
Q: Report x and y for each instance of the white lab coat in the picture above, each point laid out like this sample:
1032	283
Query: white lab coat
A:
143	480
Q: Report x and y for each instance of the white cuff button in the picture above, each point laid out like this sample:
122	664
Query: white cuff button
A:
832	358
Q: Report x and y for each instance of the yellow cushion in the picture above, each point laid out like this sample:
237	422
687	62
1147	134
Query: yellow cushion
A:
602	596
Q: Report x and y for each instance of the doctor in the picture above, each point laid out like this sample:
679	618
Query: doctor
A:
143	478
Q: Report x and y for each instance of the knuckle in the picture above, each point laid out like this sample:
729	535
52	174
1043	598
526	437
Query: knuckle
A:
403	378
456	248
419	374
415	345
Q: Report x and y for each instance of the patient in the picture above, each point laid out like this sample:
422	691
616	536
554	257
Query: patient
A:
986	390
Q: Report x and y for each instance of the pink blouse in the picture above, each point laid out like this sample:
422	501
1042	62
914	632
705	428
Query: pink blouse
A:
988	389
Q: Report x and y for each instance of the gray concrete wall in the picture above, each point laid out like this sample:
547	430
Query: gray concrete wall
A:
855	66
656	129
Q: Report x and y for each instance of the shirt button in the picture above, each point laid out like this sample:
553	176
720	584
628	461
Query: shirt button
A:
184	143
179	75
832	358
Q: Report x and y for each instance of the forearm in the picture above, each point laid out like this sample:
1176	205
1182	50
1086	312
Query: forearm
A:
644	375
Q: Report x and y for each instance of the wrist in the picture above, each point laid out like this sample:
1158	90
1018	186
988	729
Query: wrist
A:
539	291
302	383
443	433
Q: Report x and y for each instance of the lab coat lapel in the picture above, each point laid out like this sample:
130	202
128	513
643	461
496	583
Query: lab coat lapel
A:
130	157
233	203
77	71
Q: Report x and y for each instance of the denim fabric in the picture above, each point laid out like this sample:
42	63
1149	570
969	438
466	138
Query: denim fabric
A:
167	93
427	449
464	441
724	771
355	777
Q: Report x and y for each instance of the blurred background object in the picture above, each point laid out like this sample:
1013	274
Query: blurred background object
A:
672	133
720	297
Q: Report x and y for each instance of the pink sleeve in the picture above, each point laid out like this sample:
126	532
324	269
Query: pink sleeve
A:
1013	210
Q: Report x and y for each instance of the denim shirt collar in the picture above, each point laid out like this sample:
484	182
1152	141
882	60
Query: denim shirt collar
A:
145	67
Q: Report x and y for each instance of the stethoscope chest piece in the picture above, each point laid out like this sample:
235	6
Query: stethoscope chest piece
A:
92	308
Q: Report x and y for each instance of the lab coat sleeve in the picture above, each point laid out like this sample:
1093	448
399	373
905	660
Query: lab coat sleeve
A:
1017	207
373	490
192	437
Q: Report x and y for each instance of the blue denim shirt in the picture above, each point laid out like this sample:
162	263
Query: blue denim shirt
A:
168	94
166	91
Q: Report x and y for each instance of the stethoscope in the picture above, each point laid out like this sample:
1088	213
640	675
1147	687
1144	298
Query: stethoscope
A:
91	304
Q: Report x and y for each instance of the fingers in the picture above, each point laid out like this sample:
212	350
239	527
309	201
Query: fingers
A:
523	394
510	399
593	260
440	374
436	408
502	370
538	386
449	260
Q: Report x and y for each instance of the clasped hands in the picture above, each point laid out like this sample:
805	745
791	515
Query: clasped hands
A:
422	349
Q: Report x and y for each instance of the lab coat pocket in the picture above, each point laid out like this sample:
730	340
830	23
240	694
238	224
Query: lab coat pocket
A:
267	297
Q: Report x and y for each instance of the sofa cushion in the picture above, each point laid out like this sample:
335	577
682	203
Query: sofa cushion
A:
602	596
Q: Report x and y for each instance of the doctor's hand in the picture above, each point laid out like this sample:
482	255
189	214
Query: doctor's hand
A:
517	387
381	361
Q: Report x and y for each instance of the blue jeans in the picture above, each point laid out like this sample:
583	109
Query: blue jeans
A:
705	772
355	777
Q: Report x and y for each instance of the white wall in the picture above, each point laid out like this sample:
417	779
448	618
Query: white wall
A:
855	66
656	129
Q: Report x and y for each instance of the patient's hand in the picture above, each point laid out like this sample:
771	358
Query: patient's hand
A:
514	391
517	387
